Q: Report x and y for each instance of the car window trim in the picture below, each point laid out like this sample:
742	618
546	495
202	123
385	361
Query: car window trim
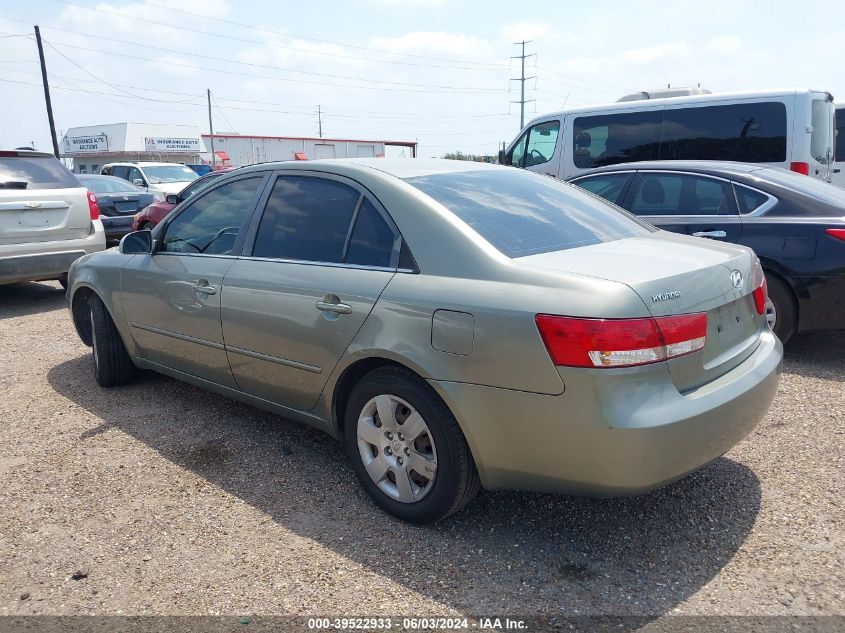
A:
161	230
762	209
252	232
730	199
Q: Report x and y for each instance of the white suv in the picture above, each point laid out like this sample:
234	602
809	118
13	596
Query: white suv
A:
48	218
163	178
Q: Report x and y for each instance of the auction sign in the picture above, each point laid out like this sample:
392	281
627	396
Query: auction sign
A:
83	144
160	144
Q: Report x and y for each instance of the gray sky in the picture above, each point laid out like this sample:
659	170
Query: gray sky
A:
436	71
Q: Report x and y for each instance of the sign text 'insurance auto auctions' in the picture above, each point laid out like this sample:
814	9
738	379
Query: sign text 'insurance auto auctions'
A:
157	144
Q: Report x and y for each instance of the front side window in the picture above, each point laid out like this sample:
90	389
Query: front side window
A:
306	219
608	186
517	154
542	140
211	224
522	213
746	132
676	194
609	139
821	138
135	174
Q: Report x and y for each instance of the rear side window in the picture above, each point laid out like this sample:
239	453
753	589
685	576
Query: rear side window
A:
616	138
748	199
306	219
746	132
37	172
372	240
840	135
608	186
676	194
821	139
522	213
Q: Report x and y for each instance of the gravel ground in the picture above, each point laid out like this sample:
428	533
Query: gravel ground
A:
160	498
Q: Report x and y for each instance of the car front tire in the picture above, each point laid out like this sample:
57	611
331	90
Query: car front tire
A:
406	447
112	365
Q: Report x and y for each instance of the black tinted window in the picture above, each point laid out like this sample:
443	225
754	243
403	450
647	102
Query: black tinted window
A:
522	213
675	194
120	171
748	199
38	172
840	135
616	138
608	186
372	239
211	224
306	218
748	132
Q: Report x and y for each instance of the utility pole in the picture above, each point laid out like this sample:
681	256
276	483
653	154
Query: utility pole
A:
46	92
211	133
522	79
320	121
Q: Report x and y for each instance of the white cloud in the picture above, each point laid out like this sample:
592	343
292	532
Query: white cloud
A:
174	65
525	30
411	3
435	42
656	53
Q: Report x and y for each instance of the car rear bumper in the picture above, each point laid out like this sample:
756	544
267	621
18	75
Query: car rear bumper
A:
37	261
117	226
608	436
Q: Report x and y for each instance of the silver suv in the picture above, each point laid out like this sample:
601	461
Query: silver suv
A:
48	218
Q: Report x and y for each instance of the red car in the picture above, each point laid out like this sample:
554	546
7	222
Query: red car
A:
151	215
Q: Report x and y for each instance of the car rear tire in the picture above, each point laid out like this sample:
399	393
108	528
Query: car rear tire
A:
407	448
112	365
781	311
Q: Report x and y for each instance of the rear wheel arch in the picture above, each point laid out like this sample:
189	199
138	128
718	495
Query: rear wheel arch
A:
350	377
80	311
781	285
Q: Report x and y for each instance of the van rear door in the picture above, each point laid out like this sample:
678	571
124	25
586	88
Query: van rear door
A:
822	127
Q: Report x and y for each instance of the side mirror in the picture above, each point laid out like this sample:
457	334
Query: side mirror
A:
501	157
137	243
173	199
138	182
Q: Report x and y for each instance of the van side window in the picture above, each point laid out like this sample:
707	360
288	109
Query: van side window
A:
609	139
542	140
746	132
840	135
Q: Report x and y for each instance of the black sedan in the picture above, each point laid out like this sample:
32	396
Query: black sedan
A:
795	224
118	200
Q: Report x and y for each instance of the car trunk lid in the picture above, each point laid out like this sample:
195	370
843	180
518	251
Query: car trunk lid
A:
676	274
42	215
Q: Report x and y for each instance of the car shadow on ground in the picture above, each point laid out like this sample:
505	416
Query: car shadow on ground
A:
506	553
19	300
816	355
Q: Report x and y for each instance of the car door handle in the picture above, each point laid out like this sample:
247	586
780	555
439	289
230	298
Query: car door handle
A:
338	308
710	234
204	288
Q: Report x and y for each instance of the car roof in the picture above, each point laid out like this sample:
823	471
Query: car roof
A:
142	164
24	153
99	177
397	167
714	167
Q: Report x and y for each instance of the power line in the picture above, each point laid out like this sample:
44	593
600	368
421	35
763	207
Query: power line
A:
481	65
217	105
435	90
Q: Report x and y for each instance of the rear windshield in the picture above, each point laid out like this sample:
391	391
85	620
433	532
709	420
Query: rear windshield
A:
522	213
107	184
819	189
38	172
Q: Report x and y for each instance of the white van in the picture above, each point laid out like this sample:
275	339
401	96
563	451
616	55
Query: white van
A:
793	129
839	150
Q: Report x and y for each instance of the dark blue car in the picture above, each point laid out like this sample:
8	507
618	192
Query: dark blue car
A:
118	201
795	224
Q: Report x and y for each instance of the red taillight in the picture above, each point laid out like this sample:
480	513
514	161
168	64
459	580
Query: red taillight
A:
800	168
92	206
839	234
576	342
760	294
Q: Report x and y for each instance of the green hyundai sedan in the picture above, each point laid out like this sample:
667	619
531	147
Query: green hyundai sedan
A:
454	324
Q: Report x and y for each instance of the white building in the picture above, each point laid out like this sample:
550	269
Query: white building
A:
238	150
93	146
